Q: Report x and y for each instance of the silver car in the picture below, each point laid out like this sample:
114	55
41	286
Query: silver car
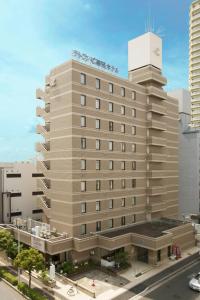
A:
195	282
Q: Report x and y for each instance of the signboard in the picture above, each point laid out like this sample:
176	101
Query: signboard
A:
94	61
38	243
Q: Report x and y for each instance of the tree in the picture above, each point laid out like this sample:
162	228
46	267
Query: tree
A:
12	249
121	258
6	239
30	259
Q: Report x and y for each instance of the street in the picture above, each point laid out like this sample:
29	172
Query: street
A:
171	283
7	293
177	287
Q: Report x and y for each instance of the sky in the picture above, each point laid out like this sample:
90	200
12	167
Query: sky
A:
37	35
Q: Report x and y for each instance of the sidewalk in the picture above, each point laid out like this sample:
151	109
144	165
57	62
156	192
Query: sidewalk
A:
60	291
111	294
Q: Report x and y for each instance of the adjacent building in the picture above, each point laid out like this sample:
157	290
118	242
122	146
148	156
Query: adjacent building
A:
18	191
194	63
189	159
110	158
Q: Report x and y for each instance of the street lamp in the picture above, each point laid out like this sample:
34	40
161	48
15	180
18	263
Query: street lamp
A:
18	247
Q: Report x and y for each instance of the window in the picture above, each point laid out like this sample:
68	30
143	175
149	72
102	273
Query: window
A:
83	164
123	183
133	165
98	206
110	126
16	175
133	200
83	229
123	147
123	202
82	78
111	184
122	128
83	143
83	186
16	194
83	100
98	144
98	226
33	175
133	183
98	164
133	95
110	107
98	101
122	91
133	112
83	207
16	213
133	218
133	147
110	165
122	110
123	220
133	130
98	84
37	211
122	165
98	185
110	146
110	87
110	204
97	124
83	121
37	193
110	223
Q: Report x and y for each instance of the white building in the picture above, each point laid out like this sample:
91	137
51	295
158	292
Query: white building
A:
194	66
189	160
18	191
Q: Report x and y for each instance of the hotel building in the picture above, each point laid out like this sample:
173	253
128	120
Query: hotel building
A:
110	159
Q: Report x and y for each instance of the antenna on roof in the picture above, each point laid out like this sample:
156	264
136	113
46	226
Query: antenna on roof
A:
149	24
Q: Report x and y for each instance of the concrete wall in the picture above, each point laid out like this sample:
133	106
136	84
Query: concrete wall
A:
26	185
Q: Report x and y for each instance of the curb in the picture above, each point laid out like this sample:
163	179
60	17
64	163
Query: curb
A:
14	288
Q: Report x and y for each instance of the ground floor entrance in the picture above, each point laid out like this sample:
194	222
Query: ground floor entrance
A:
142	254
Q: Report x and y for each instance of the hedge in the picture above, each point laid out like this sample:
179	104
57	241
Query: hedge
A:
32	294
8	276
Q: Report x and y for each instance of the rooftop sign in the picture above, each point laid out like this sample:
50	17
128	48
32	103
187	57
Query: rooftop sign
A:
93	61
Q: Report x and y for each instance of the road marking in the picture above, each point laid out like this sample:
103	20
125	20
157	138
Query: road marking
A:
163	280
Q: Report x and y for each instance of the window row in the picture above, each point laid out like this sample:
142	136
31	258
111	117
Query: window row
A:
110	204
110	224
83	164
83	80
83	145
110	184
110	125
110	106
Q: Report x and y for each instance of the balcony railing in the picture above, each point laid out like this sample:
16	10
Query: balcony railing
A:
153	91
156	190
156	125
156	141
159	109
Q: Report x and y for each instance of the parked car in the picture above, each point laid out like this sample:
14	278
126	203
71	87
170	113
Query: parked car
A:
194	283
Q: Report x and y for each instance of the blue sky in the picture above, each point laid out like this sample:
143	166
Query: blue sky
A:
36	35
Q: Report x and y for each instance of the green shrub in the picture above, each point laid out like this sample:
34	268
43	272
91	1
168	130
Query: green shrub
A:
68	267
8	276
32	294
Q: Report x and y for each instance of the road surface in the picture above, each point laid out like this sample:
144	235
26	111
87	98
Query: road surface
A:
7	293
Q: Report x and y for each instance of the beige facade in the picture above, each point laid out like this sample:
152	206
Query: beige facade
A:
109	160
